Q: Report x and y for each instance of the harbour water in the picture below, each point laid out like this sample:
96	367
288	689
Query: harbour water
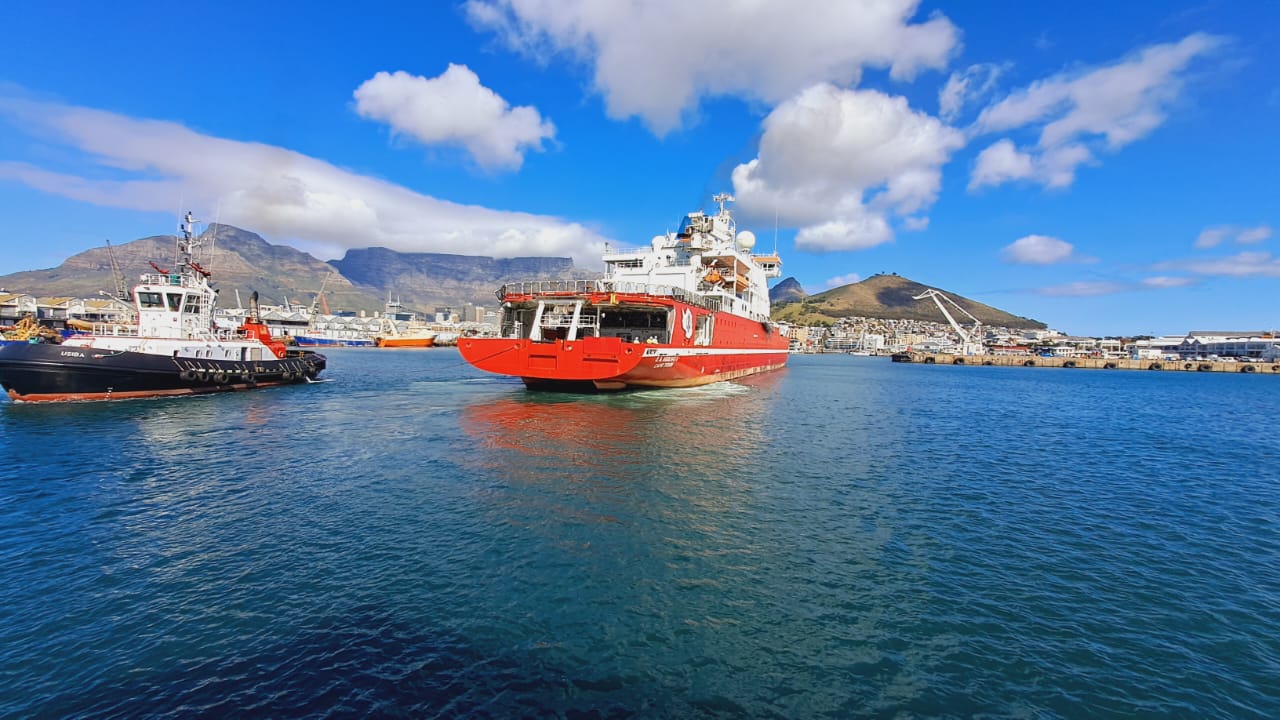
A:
847	537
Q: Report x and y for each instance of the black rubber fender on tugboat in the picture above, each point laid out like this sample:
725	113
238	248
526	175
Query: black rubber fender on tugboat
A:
187	375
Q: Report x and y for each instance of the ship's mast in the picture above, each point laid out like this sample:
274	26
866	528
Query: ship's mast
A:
720	199
188	243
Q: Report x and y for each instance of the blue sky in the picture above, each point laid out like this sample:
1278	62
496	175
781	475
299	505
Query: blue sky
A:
1106	168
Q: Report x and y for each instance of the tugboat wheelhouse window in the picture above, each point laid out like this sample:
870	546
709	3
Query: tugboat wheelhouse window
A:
150	300
174	300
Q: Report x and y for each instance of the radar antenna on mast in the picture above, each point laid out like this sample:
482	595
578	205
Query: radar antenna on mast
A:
970	342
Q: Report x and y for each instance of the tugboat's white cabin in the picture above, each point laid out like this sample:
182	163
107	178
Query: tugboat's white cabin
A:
172	306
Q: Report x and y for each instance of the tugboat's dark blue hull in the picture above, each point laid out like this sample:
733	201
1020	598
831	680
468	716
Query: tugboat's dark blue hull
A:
43	372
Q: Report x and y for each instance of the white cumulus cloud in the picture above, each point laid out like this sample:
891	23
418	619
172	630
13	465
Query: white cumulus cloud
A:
158	166
1168	281
967	86
1215	236
1038	250
1083	113
840	164
1001	162
656	59
1085	289
454	108
1253	236
1246	264
841	280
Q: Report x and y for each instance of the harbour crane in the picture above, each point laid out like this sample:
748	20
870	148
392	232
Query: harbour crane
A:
319	298
122	291
970	342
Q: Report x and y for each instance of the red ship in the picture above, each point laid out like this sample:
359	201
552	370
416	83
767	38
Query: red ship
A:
690	309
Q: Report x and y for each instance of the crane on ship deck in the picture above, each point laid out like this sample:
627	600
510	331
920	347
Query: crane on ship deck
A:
971	341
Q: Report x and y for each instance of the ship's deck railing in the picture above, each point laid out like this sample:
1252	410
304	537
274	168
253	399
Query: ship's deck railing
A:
114	329
535	287
600	285
626	251
173	279
126	331
707	296
564	320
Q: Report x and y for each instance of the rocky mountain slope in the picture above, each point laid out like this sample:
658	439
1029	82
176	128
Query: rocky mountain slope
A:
242	261
890	297
422	280
787	291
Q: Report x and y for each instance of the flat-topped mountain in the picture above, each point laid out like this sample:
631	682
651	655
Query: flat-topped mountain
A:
242	261
890	297
428	279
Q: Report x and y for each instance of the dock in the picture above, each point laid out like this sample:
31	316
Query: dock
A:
1181	365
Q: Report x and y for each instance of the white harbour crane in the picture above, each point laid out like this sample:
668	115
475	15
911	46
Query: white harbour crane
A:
971	341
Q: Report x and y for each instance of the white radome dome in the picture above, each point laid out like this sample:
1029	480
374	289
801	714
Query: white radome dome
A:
746	240
658	241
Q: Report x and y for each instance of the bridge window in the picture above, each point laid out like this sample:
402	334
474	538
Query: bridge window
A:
174	300
150	300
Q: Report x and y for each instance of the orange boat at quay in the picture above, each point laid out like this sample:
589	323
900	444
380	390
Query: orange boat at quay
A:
406	342
691	308
410	338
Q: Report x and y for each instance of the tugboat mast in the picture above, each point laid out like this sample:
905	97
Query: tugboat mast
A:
188	243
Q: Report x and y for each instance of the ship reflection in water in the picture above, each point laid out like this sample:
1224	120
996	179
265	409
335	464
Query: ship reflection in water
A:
699	444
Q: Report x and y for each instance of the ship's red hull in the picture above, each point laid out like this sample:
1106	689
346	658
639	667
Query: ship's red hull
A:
742	347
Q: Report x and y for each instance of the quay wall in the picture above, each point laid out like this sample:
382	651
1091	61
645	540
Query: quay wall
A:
1257	368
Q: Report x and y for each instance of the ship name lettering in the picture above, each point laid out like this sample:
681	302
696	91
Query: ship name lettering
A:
71	353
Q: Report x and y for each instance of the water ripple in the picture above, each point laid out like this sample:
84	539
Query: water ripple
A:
845	538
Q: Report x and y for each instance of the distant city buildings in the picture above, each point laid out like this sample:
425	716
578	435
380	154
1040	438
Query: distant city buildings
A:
851	334
880	336
282	320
